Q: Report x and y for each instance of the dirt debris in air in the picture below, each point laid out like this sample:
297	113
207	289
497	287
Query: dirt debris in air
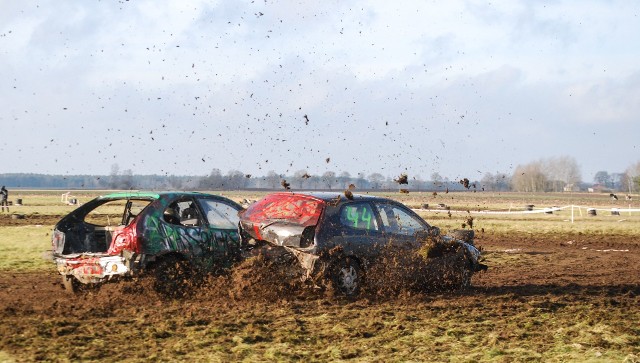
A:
285	184
402	179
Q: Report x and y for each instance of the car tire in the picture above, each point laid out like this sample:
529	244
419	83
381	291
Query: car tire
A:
172	277
347	277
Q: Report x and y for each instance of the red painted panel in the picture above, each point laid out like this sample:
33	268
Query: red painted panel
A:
300	209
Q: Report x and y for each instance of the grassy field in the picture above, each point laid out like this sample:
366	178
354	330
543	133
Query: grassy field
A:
556	291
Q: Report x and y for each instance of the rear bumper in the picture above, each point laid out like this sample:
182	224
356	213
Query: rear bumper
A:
92	268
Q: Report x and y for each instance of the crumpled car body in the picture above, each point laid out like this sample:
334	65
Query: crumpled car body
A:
123	234
338	238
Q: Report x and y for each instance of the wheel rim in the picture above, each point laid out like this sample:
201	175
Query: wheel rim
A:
348	279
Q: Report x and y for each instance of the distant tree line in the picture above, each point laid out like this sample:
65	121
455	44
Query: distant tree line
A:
545	175
563	174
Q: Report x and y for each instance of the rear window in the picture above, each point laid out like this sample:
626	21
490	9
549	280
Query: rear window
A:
294	208
114	212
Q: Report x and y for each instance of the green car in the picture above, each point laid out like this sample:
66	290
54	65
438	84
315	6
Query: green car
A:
169	234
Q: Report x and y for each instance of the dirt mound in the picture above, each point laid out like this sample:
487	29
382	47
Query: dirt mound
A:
265	276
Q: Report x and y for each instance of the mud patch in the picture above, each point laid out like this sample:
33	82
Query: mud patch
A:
269	275
436	266
510	309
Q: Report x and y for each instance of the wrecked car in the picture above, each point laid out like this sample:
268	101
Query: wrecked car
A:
338	238
169	234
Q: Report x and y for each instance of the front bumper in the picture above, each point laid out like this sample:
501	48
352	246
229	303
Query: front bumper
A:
91	268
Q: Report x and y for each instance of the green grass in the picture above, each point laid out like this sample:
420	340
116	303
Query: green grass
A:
25	248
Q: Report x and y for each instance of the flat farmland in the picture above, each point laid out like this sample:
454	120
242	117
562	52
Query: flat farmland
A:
561	286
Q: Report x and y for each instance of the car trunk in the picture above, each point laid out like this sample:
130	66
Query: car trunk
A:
283	219
85	239
289	235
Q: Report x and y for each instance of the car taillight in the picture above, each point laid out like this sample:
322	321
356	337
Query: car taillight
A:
57	241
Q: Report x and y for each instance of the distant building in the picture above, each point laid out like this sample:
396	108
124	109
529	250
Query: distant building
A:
571	188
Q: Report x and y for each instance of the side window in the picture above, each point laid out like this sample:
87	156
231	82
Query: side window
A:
107	214
396	220
220	215
359	216
182	212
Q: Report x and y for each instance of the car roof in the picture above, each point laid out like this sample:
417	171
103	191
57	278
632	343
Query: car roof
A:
153	195
333	196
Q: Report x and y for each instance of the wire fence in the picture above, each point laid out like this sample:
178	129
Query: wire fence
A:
575	209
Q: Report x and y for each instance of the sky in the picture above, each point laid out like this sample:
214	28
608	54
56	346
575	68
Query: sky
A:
456	87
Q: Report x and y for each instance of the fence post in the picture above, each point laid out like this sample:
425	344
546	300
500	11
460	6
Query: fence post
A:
571	213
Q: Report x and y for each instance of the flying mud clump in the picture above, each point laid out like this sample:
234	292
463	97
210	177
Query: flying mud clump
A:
402	179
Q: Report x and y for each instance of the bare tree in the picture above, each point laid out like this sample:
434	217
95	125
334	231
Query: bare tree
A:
437	179
235	180
633	177
113	176
344	179
551	174
602	177
567	170
272	179
529	178
376	180
126	180
560	172
300	178
329	179
212	181
488	181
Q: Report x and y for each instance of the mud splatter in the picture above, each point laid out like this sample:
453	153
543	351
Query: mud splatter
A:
402	179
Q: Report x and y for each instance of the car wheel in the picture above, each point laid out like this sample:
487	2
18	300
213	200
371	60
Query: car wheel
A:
347	277
172	277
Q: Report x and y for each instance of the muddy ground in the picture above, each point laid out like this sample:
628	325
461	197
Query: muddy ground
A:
539	298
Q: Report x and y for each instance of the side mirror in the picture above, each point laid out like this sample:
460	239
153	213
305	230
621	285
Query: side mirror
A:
434	231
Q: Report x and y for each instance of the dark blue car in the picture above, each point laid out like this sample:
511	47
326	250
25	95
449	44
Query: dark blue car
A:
339	236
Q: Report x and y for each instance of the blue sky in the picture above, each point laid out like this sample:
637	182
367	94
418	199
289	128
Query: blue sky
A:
455	87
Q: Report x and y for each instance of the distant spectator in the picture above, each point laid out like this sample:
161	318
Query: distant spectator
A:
4	195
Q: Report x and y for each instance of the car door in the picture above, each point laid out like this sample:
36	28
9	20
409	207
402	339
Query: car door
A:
400	225
184	232
360	231
220	229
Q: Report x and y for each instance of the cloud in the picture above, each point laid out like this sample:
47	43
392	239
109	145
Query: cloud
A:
448	87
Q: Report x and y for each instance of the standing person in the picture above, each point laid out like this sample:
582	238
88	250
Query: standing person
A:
4	195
